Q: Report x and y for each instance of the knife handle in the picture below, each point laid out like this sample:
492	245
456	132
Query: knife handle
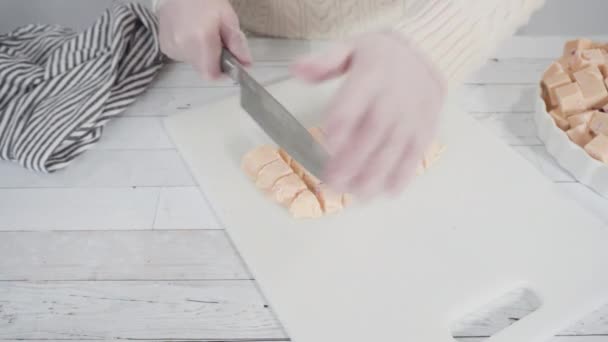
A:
230	65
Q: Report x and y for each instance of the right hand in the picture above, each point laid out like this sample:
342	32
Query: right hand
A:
195	31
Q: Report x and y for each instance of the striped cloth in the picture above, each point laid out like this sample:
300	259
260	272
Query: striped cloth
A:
58	88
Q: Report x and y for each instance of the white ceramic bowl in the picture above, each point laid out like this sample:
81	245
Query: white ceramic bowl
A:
573	158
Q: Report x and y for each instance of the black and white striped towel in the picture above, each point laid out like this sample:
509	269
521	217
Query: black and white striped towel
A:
58	88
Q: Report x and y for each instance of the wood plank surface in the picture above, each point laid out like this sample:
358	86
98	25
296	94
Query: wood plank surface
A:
223	310
107	169
78	208
122	244
184	208
213	310
105	209
119	255
131	133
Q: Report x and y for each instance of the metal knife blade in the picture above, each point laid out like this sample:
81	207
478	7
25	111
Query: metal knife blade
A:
275	119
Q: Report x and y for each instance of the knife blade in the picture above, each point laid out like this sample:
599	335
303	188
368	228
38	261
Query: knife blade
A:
278	123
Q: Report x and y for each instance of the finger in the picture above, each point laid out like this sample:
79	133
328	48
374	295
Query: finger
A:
235	40
207	60
349	104
325	66
405	170
375	170
374	134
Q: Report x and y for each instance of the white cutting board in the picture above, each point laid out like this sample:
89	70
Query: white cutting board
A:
481	223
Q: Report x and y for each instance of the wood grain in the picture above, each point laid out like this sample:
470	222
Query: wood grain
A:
167	101
223	310
108	169
213	310
126	218
515	129
119	255
132	133
184	208
498	98
43	209
78	208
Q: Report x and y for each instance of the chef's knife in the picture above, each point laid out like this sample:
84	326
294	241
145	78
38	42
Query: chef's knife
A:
275	119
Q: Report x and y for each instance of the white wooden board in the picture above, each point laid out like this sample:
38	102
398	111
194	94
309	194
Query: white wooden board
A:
444	248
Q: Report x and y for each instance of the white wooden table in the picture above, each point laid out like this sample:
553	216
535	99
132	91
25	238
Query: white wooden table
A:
122	245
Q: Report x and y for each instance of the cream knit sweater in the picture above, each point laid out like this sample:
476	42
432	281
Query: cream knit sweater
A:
457	35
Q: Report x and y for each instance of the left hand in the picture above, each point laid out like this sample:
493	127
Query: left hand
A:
383	117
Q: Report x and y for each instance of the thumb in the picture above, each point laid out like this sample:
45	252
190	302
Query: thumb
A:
324	66
234	39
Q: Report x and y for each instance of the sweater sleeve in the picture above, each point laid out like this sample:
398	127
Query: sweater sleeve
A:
459	35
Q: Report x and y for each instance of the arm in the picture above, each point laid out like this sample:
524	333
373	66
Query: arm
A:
382	119
459	35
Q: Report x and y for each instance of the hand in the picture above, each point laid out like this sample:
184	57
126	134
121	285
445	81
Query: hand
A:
383	117
194	31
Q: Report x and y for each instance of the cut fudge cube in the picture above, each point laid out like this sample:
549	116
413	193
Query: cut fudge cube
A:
271	173
590	73
603	69
553	69
570	99
594	56
577	62
572	46
580	135
580	119
599	123
305	205
330	200
310	180
598	148
551	83
287	188
591	82
564	61
595	95
559	119
257	158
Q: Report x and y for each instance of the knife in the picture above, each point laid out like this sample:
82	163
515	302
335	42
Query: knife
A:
275	119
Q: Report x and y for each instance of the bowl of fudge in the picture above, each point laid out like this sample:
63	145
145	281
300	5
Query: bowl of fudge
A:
572	112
